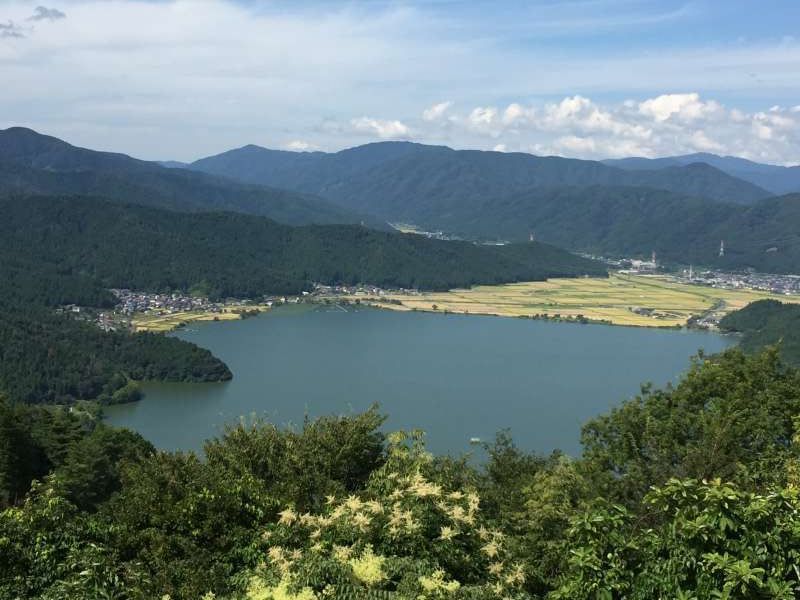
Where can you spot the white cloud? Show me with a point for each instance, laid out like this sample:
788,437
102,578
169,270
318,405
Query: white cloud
705,144
436,112
300,146
663,125
384,129
687,107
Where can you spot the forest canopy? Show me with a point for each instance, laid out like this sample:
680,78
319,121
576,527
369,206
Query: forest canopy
689,491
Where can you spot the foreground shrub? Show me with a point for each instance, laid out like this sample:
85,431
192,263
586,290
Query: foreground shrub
405,536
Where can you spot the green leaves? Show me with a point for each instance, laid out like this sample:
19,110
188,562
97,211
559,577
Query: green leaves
712,540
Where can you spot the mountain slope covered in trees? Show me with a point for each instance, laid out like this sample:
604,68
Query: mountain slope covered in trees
31,163
228,254
631,221
765,323
682,210
395,180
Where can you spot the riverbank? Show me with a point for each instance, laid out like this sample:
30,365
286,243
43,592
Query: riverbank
621,299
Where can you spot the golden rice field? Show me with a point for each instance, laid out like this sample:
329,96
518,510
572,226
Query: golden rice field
167,322
635,300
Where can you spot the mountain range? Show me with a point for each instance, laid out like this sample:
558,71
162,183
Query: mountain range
407,181
680,207
32,163
774,178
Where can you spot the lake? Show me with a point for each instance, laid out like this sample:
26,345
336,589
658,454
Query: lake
455,376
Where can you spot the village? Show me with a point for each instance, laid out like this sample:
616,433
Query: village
145,311
140,311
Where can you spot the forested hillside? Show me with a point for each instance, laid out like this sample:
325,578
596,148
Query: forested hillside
227,254
685,492
31,163
636,221
680,210
49,358
765,323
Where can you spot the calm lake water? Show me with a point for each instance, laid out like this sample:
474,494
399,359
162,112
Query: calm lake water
454,376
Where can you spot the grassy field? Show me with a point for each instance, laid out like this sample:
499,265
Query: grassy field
635,300
168,322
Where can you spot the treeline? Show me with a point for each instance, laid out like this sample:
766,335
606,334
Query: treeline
766,323
683,492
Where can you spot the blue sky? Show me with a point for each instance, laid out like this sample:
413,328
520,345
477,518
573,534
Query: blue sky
589,78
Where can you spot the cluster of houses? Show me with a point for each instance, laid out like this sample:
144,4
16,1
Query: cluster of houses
132,302
786,285
345,290
328,291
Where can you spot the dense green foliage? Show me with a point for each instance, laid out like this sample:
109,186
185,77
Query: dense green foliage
31,163
766,323
228,254
686,492
35,441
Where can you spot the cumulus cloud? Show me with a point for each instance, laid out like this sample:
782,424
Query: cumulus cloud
658,126
436,112
687,107
386,130
42,13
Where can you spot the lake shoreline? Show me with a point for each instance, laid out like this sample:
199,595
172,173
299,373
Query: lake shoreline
455,377
647,301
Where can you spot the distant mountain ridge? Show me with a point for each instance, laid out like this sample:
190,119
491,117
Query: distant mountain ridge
402,180
32,163
774,178
682,211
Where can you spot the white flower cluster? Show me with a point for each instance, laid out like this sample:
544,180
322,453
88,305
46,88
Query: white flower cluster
372,537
